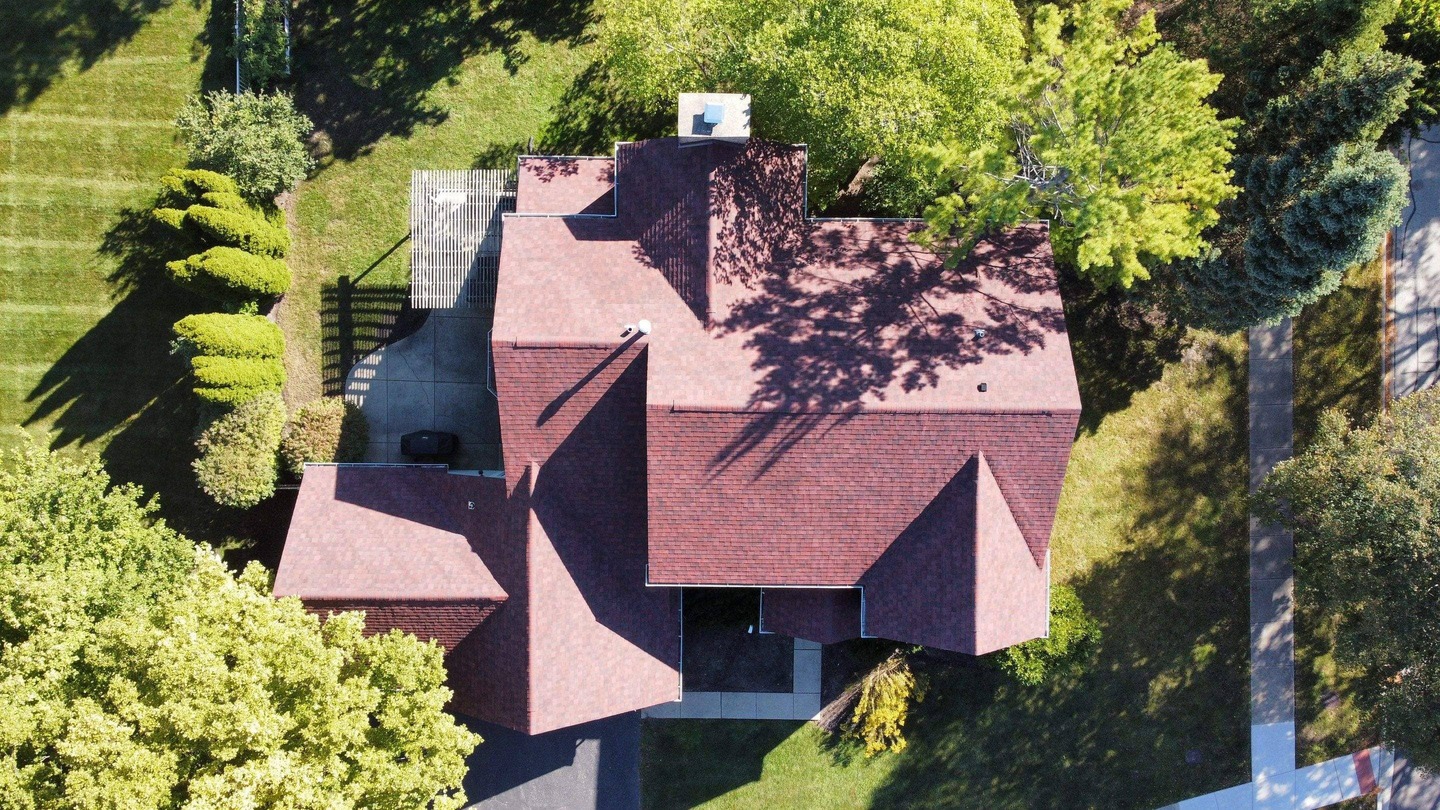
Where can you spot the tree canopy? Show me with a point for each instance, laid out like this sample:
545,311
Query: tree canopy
1109,136
1364,504
855,79
137,671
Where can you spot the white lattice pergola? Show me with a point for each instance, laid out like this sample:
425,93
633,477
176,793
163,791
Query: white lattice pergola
455,236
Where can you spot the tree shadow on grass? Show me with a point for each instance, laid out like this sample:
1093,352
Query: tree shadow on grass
364,70
686,763
118,382
1170,675
40,38
1120,344
593,114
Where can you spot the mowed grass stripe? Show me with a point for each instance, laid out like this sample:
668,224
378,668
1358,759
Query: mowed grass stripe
18,308
20,187
37,276
142,91
68,223
68,121
115,158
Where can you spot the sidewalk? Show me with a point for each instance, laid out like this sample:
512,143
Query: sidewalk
1415,279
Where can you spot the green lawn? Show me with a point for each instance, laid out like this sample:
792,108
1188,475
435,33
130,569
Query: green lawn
1337,365
87,96
1152,533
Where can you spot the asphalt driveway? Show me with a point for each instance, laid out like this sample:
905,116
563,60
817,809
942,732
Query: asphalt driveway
592,765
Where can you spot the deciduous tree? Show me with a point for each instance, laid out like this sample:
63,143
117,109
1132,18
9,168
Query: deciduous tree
1364,504
854,79
1109,135
136,671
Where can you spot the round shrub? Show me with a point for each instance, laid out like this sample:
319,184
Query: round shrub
237,463
324,431
221,334
240,230
230,275
183,187
1073,635
253,137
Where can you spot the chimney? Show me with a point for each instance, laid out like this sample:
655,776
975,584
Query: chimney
714,117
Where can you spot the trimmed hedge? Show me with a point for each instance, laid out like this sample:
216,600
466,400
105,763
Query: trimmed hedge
324,431
248,232
231,275
173,218
237,463
238,372
182,187
219,334
228,202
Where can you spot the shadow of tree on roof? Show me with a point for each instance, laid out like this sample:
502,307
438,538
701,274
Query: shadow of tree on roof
364,69
39,39
828,338
1170,675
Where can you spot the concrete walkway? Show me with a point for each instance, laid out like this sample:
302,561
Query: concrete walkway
435,380
1415,279
1272,583
802,702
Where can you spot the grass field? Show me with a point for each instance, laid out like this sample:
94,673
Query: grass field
1151,531
1337,365
86,103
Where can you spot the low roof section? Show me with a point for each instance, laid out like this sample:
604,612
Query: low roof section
557,649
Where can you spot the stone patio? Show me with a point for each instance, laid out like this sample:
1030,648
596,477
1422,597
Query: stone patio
434,379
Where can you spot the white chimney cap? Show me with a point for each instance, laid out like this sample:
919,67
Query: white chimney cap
644,326
710,117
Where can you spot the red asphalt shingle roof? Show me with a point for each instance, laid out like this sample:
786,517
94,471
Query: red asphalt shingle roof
819,378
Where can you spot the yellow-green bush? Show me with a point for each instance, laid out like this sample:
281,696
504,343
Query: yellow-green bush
221,334
324,431
230,381
230,275
1073,636
226,201
237,464
886,693
249,232
183,187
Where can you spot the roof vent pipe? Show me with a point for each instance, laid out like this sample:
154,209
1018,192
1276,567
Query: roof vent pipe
644,326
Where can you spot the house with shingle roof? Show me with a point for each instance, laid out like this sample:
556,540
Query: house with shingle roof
700,385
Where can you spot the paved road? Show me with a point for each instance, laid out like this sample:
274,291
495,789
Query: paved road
1415,301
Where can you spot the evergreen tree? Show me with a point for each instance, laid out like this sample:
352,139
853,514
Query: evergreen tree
1318,195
